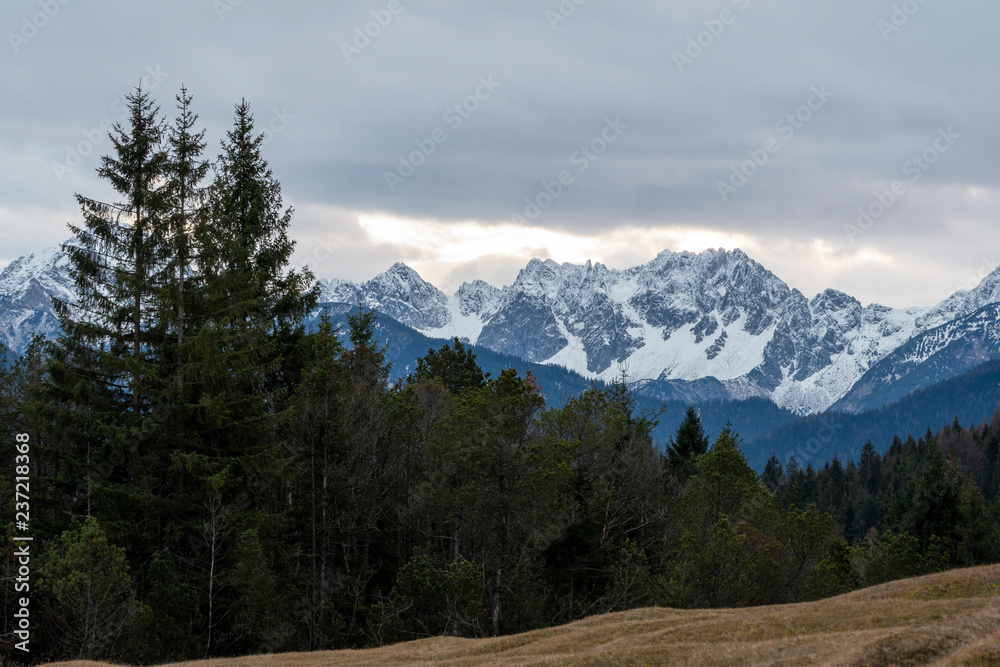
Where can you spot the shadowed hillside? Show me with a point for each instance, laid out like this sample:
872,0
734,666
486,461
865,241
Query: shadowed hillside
950,618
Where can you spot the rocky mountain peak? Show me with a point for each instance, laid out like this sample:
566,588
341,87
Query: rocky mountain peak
681,317
476,297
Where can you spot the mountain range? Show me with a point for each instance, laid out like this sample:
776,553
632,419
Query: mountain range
695,327
709,325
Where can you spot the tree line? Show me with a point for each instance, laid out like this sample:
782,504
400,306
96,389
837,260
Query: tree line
210,478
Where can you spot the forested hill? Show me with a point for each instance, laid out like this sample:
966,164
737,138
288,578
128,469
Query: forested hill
404,345
763,427
971,398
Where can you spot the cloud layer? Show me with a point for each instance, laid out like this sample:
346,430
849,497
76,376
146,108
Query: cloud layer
464,139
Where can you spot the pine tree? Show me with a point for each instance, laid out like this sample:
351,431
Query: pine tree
120,254
774,475
937,497
245,249
870,468
689,442
249,305
88,606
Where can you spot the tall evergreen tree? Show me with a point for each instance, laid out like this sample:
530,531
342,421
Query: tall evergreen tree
774,475
689,442
120,253
186,170
239,365
105,364
870,467
249,304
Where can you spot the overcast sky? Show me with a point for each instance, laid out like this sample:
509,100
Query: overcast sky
681,125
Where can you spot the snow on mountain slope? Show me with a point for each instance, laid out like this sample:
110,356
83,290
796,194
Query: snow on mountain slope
26,287
680,318
399,292
937,354
686,316
850,346
47,270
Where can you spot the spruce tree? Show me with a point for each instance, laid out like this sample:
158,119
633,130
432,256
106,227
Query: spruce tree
689,442
105,364
250,306
121,252
454,365
774,475
186,170
239,365
870,468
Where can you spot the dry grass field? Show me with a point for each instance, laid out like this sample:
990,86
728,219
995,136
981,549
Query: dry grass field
951,618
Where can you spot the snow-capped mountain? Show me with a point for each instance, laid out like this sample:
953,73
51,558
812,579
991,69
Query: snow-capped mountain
714,324
400,291
26,287
954,336
933,356
680,318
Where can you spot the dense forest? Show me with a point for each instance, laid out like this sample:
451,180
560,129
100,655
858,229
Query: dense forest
210,478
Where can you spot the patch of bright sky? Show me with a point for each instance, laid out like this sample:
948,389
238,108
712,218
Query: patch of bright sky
436,247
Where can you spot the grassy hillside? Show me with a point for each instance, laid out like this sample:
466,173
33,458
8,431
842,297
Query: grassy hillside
951,618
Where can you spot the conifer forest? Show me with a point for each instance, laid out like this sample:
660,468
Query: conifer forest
211,476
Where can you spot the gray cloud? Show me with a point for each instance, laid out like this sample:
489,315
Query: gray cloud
686,129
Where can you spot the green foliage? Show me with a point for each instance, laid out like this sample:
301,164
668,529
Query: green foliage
724,483
774,474
835,573
687,445
935,505
212,480
427,600
173,610
633,582
87,606
257,606
453,365
897,556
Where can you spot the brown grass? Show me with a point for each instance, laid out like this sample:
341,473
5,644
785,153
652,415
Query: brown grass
951,618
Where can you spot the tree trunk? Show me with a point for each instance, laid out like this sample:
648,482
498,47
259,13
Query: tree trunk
137,324
182,265
496,600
